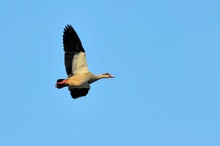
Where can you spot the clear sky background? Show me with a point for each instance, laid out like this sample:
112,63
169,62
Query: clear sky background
165,55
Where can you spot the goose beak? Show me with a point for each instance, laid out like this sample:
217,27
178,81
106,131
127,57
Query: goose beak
111,76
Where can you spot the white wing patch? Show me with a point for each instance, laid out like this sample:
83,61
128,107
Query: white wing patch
79,64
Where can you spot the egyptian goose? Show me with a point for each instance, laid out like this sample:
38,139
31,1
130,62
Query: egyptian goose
79,76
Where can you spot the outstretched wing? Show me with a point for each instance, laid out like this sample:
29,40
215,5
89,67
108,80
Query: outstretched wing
79,92
75,57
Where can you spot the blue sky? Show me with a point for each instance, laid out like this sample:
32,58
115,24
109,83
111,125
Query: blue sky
164,54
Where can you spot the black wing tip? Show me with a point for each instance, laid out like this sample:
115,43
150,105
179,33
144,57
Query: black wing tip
68,29
71,40
68,26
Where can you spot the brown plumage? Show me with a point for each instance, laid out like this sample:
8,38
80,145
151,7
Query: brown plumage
79,77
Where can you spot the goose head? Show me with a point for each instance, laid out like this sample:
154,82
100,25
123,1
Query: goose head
106,75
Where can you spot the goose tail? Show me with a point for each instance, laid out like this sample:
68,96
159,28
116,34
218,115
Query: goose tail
61,83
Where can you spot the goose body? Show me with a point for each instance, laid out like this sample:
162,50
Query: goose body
79,76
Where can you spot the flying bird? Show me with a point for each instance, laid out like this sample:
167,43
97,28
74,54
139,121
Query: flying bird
79,77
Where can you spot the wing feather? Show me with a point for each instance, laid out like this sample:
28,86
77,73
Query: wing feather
79,92
75,58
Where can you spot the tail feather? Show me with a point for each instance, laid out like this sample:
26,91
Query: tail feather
60,84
